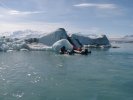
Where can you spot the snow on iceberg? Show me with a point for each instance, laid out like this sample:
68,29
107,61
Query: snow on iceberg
51,38
80,40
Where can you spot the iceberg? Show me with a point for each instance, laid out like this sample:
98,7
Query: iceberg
77,40
53,41
51,38
62,43
81,40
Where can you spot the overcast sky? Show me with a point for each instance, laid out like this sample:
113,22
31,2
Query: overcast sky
111,17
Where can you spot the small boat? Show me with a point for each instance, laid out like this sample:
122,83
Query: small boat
83,51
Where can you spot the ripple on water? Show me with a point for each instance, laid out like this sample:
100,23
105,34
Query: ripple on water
5,94
130,57
34,77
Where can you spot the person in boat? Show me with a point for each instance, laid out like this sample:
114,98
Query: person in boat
83,51
63,50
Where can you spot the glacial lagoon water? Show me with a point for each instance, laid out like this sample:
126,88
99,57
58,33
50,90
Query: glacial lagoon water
106,74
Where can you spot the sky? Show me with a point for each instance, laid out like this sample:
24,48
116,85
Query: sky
110,17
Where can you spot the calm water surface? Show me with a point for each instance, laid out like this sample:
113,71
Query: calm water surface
106,74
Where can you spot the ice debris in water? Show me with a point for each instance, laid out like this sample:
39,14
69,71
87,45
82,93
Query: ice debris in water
29,74
7,44
18,94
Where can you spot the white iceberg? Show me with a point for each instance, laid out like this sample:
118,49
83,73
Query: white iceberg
59,44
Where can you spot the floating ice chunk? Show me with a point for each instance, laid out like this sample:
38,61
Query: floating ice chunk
4,47
18,46
29,74
18,94
59,44
10,44
24,50
9,50
39,47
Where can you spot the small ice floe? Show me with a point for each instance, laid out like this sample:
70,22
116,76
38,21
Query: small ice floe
98,46
18,94
39,47
59,65
34,73
29,74
7,45
104,46
24,49
9,50
3,79
62,43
